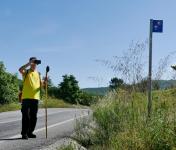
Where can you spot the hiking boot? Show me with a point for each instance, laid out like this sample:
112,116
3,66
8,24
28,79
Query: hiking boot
24,137
31,135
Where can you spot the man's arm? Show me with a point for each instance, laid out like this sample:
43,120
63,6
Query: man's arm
22,69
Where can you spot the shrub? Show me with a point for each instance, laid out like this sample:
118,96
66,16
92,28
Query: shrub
87,99
8,86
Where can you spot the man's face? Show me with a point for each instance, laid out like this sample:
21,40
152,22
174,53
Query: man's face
33,65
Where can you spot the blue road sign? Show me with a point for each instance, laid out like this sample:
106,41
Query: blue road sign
158,26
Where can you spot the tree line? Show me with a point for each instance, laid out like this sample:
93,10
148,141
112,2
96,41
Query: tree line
68,89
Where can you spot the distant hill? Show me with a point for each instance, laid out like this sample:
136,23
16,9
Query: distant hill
164,84
96,91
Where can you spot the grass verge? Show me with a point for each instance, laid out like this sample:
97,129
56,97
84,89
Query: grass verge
55,103
52,103
120,121
10,107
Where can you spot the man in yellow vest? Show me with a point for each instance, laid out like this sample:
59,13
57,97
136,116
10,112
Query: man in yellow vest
30,96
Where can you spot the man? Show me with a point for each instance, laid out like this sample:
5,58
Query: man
30,97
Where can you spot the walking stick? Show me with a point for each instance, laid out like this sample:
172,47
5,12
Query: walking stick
46,98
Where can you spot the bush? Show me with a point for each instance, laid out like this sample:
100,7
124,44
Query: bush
8,86
87,99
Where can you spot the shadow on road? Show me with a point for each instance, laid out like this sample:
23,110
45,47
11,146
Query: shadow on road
11,139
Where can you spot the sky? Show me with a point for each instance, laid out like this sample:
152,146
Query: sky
69,35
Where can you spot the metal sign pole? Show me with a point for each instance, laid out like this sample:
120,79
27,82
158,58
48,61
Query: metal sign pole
150,71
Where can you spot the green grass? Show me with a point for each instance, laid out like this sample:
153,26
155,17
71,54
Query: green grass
52,103
55,103
68,147
120,121
10,107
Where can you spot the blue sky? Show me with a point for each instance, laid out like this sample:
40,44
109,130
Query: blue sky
68,35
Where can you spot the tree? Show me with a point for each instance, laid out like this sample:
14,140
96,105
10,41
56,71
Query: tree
52,90
49,82
116,83
69,89
8,86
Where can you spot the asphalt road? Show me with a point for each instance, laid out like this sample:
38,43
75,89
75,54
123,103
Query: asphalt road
61,123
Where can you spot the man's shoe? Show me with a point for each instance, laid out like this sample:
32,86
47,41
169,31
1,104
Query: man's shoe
31,135
24,137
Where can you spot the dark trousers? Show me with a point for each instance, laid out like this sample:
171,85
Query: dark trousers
29,115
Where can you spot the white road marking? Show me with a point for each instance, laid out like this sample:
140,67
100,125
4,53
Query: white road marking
51,126
3,122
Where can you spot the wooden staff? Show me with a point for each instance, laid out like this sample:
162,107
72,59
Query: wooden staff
46,99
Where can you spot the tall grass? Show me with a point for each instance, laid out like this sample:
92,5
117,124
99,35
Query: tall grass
120,122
